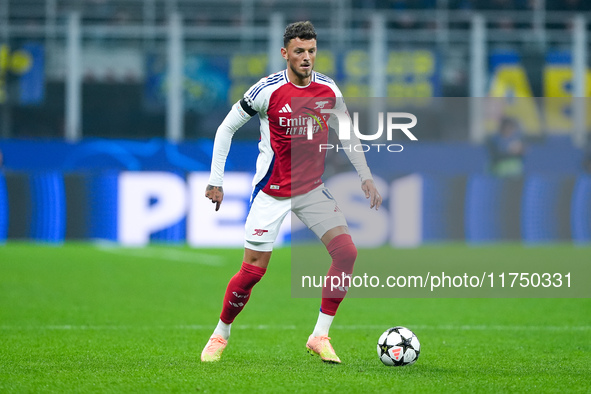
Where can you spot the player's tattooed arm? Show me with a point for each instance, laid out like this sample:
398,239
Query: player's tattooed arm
371,192
215,194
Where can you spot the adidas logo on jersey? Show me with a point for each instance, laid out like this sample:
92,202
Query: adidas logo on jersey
285,110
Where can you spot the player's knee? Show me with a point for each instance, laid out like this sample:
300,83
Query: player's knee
251,274
346,258
258,253
343,252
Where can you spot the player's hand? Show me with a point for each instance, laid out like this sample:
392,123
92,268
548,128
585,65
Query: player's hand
371,192
215,194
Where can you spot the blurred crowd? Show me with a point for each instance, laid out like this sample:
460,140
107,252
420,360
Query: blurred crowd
231,13
406,19
488,5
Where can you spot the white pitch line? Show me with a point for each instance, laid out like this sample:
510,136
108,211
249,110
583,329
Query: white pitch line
198,327
182,256
475,327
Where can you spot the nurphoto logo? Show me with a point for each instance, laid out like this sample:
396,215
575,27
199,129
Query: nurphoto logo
344,130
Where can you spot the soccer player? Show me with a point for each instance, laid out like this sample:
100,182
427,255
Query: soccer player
287,182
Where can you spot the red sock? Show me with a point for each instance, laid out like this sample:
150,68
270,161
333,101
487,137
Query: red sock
238,291
343,253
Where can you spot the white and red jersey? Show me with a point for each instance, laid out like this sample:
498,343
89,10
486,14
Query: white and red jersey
289,163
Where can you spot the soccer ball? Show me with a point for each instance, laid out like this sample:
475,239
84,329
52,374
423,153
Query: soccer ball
398,346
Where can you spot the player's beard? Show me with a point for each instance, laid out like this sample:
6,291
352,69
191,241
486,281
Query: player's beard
301,75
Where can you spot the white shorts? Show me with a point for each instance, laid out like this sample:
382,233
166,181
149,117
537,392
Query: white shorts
317,209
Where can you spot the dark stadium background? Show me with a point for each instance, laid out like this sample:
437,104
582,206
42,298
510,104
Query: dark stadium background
93,88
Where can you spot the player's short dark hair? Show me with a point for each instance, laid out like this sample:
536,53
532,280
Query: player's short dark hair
303,30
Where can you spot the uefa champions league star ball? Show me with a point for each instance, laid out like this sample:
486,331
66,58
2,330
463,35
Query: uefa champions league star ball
398,346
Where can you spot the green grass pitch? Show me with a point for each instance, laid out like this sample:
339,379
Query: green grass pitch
92,318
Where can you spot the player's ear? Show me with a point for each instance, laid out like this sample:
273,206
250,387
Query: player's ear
284,53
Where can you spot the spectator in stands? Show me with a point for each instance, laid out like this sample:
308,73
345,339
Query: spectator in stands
505,23
121,17
506,149
404,20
